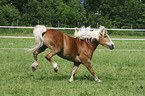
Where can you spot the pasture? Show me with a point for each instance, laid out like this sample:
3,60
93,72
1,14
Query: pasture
122,71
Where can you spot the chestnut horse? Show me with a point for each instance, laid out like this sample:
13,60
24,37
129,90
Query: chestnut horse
78,49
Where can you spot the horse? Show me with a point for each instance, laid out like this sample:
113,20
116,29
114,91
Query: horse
78,49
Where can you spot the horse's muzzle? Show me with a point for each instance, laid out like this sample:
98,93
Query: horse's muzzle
112,46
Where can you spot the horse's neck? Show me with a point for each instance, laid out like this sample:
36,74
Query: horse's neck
93,45
90,45
90,48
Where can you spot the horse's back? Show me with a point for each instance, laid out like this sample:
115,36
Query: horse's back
50,33
53,38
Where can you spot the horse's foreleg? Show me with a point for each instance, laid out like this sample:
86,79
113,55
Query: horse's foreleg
75,67
35,53
48,57
89,67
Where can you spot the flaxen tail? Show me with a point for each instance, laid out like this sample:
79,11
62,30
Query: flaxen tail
37,32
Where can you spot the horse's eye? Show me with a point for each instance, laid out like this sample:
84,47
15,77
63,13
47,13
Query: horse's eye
105,36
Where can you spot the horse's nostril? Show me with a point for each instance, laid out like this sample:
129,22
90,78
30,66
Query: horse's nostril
112,46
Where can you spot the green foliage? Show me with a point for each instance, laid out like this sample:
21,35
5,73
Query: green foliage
9,15
132,13
122,13
71,13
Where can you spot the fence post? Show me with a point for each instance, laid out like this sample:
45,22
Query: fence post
78,24
131,26
17,22
38,22
58,24
97,25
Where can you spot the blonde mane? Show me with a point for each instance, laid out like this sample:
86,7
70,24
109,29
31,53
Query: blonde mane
87,33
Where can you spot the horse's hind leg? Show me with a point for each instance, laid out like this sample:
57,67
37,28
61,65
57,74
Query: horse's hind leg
35,53
48,57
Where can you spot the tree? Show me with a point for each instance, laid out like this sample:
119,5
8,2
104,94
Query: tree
9,15
19,5
132,10
122,13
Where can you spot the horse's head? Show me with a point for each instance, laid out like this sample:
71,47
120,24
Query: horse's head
104,38
99,35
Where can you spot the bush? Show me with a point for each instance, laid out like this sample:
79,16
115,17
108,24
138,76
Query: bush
9,15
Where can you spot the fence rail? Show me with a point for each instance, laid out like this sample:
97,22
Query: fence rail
72,28
33,37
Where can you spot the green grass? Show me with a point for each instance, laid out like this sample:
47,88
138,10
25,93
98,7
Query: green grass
122,72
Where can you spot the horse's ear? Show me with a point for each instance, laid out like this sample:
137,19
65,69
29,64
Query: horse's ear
101,27
76,29
76,32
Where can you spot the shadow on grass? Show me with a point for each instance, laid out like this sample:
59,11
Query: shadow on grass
63,78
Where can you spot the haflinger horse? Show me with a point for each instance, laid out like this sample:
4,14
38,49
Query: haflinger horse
78,50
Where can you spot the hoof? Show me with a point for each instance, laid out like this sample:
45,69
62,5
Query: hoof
99,81
70,80
34,68
55,70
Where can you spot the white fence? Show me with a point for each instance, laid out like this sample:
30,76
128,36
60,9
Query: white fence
72,28
33,37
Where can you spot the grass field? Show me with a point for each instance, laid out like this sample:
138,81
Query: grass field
122,71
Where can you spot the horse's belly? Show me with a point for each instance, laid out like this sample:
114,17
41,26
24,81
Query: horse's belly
69,56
